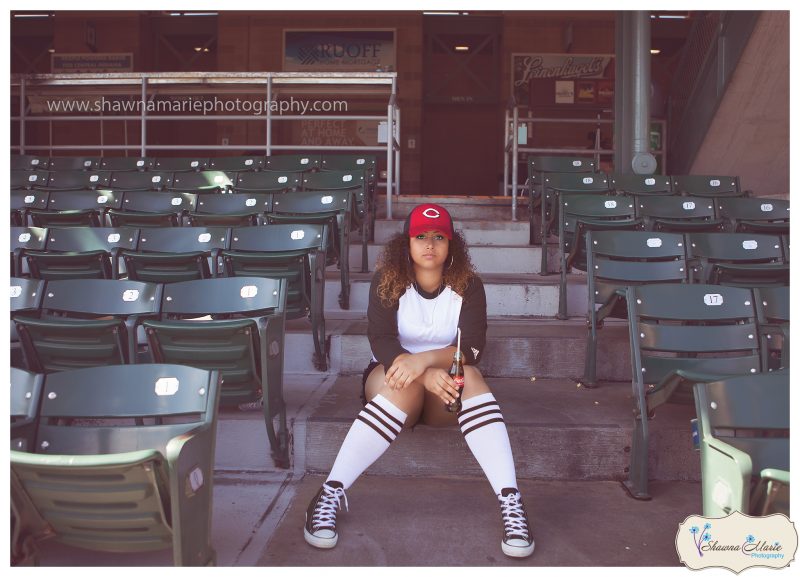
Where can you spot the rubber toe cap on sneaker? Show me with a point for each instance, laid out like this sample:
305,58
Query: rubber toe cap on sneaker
322,539
517,548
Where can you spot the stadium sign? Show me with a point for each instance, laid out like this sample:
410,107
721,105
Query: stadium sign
527,67
339,50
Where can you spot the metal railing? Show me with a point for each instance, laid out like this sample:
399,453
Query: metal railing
512,148
266,84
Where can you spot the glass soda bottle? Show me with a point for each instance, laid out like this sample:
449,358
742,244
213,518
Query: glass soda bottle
457,374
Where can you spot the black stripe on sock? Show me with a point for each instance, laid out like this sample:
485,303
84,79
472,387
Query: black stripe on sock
385,412
479,425
375,427
381,421
476,407
473,417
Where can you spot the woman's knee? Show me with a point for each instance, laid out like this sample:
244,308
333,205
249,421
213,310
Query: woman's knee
474,384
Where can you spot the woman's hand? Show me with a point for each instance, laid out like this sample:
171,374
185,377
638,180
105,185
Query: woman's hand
405,369
440,383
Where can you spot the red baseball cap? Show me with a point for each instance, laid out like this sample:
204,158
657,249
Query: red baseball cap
427,217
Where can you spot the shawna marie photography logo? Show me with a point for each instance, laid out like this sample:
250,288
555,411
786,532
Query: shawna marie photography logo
736,542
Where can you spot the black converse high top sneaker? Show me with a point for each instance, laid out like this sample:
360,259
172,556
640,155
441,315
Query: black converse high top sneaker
517,540
320,528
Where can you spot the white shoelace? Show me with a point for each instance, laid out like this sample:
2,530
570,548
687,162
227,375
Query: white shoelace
514,515
329,502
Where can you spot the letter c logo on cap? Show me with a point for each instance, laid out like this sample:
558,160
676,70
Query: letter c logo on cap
431,213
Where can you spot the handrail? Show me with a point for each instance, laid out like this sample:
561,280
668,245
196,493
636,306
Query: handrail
147,85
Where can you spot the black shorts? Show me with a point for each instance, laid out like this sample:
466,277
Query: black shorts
367,371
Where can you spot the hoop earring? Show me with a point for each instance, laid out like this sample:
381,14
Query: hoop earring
451,263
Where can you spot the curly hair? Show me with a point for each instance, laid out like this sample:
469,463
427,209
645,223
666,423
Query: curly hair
397,271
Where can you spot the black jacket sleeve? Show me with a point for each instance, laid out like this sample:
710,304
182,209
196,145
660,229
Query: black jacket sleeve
472,322
382,327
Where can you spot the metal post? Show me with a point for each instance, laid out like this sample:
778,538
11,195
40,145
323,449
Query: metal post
22,115
397,155
389,157
643,162
514,160
269,115
143,120
505,154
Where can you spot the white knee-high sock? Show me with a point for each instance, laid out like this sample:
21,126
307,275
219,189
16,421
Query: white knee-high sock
376,426
485,431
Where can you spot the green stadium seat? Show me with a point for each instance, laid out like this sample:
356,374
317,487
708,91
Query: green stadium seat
292,162
368,163
26,392
295,252
153,209
29,162
641,184
24,200
333,208
743,429
95,481
736,259
180,164
76,208
759,215
707,186
81,253
77,180
268,181
126,163
26,294
681,334
175,254
28,179
240,209
678,214
617,259
207,181
59,163
581,213
772,308
246,347
98,327
133,180
25,238
236,163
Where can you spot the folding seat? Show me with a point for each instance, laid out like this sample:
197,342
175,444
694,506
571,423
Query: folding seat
581,213
180,164
23,200
617,259
240,209
175,254
81,253
76,208
678,214
25,238
358,182
268,181
77,180
26,299
214,181
123,462
554,186
772,308
293,162
761,215
126,163
86,323
153,209
681,334
29,162
59,163
244,341
707,186
29,179
141,180
26,392
736,259
296,253
743,432
236,163
641,184
333,208
368,163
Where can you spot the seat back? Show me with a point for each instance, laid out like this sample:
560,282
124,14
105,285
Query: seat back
132,180
693,327
146,486
278,181
29,179
29,162
366,162
180,164
292,162
78,180
740,259
25,238
560,164
579,183
641,184
153,209
126,163
583,212
86,163
26,392
678,214
77,208
247,206
765,215
236,163
205,181
26,294
772,308
23,200
706,185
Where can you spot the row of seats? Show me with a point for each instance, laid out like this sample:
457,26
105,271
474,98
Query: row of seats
293,252
234,325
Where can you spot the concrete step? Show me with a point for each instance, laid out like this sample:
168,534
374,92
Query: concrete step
476,232
487,259
460,207
506,294
557,430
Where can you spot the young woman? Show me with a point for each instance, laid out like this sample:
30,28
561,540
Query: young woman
424,289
